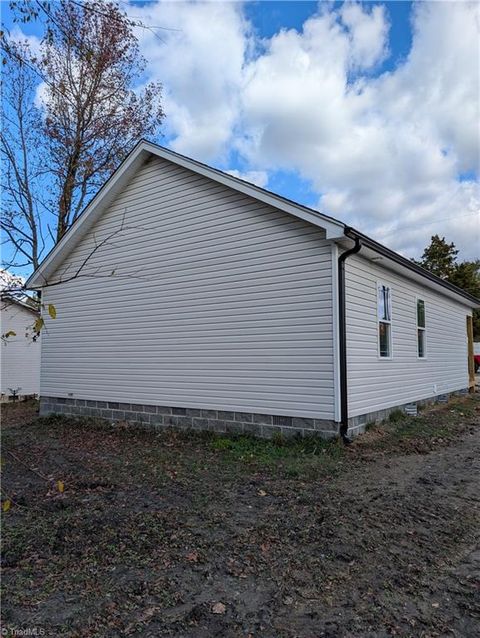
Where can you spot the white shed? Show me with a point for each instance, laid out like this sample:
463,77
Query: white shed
19,353
188,297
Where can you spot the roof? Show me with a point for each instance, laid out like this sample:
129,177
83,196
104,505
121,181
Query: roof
334,229
414,268
142,151
26,305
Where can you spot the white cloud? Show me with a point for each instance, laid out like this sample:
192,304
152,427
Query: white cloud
199,60
382,153
33,45
32,41
41,95
367,32
259,178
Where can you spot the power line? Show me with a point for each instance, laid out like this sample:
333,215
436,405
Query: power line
429,223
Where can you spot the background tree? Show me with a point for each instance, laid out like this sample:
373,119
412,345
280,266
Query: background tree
24,174
440,258
467,276
84,109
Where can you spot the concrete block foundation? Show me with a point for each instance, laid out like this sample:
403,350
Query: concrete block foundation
222,421
159,417
357,424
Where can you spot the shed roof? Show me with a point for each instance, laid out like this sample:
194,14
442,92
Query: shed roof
26,305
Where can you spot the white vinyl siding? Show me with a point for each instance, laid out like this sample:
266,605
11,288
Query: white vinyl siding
375,383
217,301
20,356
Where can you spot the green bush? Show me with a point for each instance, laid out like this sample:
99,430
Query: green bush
396,415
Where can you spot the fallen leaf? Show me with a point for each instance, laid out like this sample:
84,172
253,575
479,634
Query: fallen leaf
60,486
144,617
261,493
218,608
192,557
6,505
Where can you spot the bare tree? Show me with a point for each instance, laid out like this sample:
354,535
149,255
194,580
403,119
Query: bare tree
89,118
24,173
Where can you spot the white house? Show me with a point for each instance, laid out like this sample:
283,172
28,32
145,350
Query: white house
19,353
188,297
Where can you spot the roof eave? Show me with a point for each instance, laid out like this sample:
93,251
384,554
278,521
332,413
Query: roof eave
20,303
334,229
448,288
39,278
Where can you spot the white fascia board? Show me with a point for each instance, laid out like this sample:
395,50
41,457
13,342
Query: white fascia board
105,195
333,229
20,303
383,261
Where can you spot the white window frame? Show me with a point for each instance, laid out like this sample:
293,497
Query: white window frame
389,322
424,328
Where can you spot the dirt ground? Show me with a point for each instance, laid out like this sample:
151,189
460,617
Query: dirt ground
189,535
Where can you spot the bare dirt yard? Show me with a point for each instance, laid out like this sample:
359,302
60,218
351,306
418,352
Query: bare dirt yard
189,535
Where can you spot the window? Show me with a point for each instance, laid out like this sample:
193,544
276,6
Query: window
421,330
384,307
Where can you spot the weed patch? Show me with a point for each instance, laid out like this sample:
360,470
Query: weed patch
294,457
396,416
434,426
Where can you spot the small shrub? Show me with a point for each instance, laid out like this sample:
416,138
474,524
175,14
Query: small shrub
279,439
222,443
396,416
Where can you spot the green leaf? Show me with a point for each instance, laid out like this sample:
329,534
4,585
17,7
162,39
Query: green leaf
52,311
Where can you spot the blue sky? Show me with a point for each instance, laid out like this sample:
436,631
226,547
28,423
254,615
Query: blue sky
270,17
367,111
